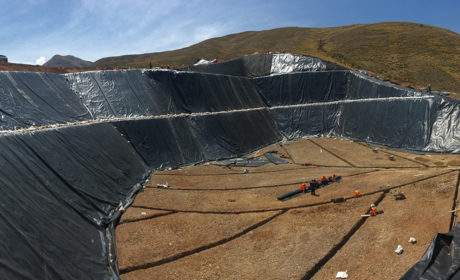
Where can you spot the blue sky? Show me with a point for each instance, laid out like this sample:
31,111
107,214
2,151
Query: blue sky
32,31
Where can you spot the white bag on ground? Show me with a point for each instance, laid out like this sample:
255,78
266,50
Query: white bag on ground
342,275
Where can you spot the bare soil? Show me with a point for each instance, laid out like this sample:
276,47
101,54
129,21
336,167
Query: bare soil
360,155
282,249
424,211
134,214
215,222
154,239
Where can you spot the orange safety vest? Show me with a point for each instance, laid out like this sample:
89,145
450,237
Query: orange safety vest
303,187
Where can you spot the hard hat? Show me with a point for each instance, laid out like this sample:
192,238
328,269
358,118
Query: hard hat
372,205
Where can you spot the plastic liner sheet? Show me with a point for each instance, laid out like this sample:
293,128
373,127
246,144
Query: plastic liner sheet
363,86
425,124
288,63
123,93
440,261
326,86
233,134
445,131
170,142
300,88
204,61
128,93
265,65
248,66
245,162
164,142
36,99
312,120
395,123
290,195
60,193
273,159
197,92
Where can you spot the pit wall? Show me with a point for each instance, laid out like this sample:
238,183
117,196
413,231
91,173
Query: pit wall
37,99
299,104
351,105
65,188
61,191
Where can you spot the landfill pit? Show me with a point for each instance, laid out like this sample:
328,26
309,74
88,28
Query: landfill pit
218,222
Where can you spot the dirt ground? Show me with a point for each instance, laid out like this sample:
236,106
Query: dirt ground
217,222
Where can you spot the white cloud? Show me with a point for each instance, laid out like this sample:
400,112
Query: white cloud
206,32
41,60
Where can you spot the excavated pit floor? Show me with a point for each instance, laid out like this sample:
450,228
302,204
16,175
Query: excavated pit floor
215,222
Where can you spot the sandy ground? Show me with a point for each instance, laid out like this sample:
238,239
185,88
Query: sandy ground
419,215
215,222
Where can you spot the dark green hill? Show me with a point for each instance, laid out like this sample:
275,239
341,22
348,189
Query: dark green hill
408,53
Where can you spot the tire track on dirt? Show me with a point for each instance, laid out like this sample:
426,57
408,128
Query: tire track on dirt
453,218
384,190
202,248
128,221
301,167
388,153
251,188
329,255
231,173
280,211
317,267
332,153
304,166
289,155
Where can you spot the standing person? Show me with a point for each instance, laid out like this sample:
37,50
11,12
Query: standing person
313,186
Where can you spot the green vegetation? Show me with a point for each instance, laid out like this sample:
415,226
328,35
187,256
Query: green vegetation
408,53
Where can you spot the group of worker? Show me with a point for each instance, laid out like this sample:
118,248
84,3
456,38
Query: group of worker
315,184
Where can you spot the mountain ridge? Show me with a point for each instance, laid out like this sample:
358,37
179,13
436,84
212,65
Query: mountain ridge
67,61
411,54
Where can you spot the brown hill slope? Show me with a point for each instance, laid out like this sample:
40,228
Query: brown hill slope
409,53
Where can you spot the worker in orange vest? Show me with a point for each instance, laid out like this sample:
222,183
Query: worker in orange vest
323,180
303,188
373,210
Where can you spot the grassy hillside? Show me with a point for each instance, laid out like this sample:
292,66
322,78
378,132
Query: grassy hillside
407,53
38,68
